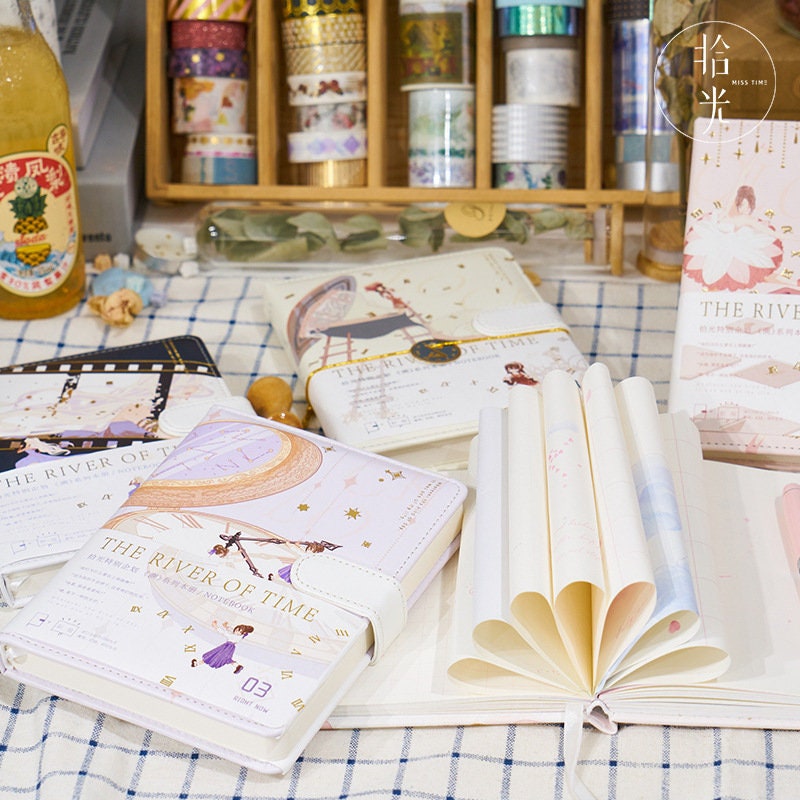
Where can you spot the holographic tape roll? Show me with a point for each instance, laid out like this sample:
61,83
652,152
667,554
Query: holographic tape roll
543,76
324,29
202,105
207,62
331,116
333,87
327,146
538,20
326,58
530,175
664,177
436,43
332,173
232,10
441,137
191,33
513,3
311,8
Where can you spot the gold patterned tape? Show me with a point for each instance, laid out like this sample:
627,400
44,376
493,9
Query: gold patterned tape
230,10
432,345
313,8
333,173
324,29
326,58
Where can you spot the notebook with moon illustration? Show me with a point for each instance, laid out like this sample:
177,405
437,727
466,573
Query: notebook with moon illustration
399,358
241,589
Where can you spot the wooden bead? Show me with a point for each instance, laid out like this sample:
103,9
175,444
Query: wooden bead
271,398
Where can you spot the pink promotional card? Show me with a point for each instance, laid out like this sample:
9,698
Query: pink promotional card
736,369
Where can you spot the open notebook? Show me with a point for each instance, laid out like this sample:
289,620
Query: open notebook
606,573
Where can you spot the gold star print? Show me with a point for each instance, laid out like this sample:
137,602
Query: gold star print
787,273
395,475
302,507
773,370
366,544
706,158
352,513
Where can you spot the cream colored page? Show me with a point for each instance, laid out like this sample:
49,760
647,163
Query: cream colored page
620,612
574,538
675,618
528,535
529,566
704,655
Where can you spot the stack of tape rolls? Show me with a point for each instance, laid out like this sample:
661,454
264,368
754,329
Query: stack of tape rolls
324,45
542,67
437,74
633,119
208,67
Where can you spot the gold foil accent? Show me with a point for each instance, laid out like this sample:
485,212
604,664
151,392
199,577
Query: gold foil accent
226,10
332,173
315,59
442,343
313,8
323,29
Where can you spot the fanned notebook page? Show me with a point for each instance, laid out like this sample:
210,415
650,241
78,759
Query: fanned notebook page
598,589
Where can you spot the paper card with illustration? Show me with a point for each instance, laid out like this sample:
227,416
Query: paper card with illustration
735,368
95,401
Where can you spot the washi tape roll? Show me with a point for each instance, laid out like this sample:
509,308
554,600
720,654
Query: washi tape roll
538,20
310,8
332,87
350,57
543,76
528,175
220,169
327,145
332,173
232,10
441,138
207,62
209,104
162,250
236,145
323,29
436,42
331,116
512,3
192,33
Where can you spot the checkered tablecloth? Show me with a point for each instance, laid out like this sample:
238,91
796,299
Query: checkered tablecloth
51,749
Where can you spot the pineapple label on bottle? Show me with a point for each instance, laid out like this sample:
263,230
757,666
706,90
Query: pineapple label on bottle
38,218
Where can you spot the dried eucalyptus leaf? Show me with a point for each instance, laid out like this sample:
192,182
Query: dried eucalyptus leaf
578,226
225,226
516,224
364,241
363,222
314,222
313,241
548,219
289,250
668,16
245,252
417,214
268,226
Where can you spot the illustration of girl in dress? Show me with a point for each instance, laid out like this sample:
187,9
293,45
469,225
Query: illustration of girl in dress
515,374
736,250
222,655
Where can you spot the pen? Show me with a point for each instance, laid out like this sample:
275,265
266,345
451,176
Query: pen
791,514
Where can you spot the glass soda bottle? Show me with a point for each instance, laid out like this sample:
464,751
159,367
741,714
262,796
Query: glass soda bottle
42,270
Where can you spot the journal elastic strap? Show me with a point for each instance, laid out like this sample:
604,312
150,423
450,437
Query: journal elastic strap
357,588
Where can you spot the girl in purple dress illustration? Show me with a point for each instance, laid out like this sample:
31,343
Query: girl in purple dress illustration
222,655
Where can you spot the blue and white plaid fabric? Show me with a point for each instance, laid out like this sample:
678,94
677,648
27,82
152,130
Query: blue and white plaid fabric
53,749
